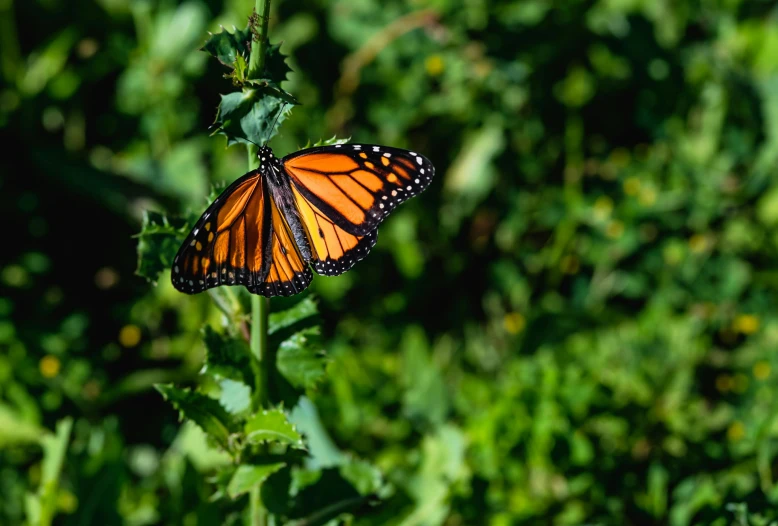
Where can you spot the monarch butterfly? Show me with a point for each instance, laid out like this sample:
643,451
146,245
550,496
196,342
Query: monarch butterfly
319,206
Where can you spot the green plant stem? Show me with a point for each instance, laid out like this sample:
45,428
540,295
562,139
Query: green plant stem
258,52
260,306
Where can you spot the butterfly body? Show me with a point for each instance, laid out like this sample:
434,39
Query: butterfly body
319,207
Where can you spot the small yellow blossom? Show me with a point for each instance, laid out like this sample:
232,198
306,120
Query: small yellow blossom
514,322
129,336
698,243
434,65
746,323
647,196
632,186
603,207
736,431
49,366
615,229
761,370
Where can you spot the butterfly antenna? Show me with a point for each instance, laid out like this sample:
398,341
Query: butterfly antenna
221,127
269,133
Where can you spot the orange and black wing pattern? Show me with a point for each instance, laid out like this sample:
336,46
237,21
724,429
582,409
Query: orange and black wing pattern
343,192
241,239
357,185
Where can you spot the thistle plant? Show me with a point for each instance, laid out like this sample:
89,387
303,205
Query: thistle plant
251,402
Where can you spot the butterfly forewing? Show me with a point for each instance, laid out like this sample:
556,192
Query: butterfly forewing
227,245
356,185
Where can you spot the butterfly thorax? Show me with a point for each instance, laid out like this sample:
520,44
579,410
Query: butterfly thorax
270,166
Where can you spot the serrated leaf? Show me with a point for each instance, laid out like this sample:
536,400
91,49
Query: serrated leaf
302,310
235,396
247,477
200,409
326,142
226,356
158,242
276,68
272,426
226,46
300,360
248,116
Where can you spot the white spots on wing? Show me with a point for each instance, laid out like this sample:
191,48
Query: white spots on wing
394,193
413,153
357,147
410,187
416,181
381,205
338,146
384,198
387,154
418,160
422,170
175,269
196,230
376,149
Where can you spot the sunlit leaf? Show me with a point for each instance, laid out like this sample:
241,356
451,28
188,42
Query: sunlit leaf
300,359
202,410
301,311
272,426
226,46
251,116
247,477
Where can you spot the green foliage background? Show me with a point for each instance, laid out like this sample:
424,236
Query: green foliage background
574,324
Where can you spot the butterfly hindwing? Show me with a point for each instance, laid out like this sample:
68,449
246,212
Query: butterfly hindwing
356,185
289,273
333,250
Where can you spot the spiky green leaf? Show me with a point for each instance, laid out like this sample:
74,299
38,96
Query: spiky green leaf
250,116
202,410
248,476
301,311
158,242
226,46
226,356
272,426
301,360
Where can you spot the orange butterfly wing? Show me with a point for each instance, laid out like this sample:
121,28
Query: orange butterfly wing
343,192
241,239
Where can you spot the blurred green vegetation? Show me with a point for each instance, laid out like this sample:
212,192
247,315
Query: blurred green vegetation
576,323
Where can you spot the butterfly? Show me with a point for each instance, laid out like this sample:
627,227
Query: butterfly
318,207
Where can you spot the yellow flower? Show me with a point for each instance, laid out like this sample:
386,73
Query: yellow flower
615,229
49,366
761,370
746,324
129,336
632,186
603,207
514,322
434,65
736,431
698,243
647,196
